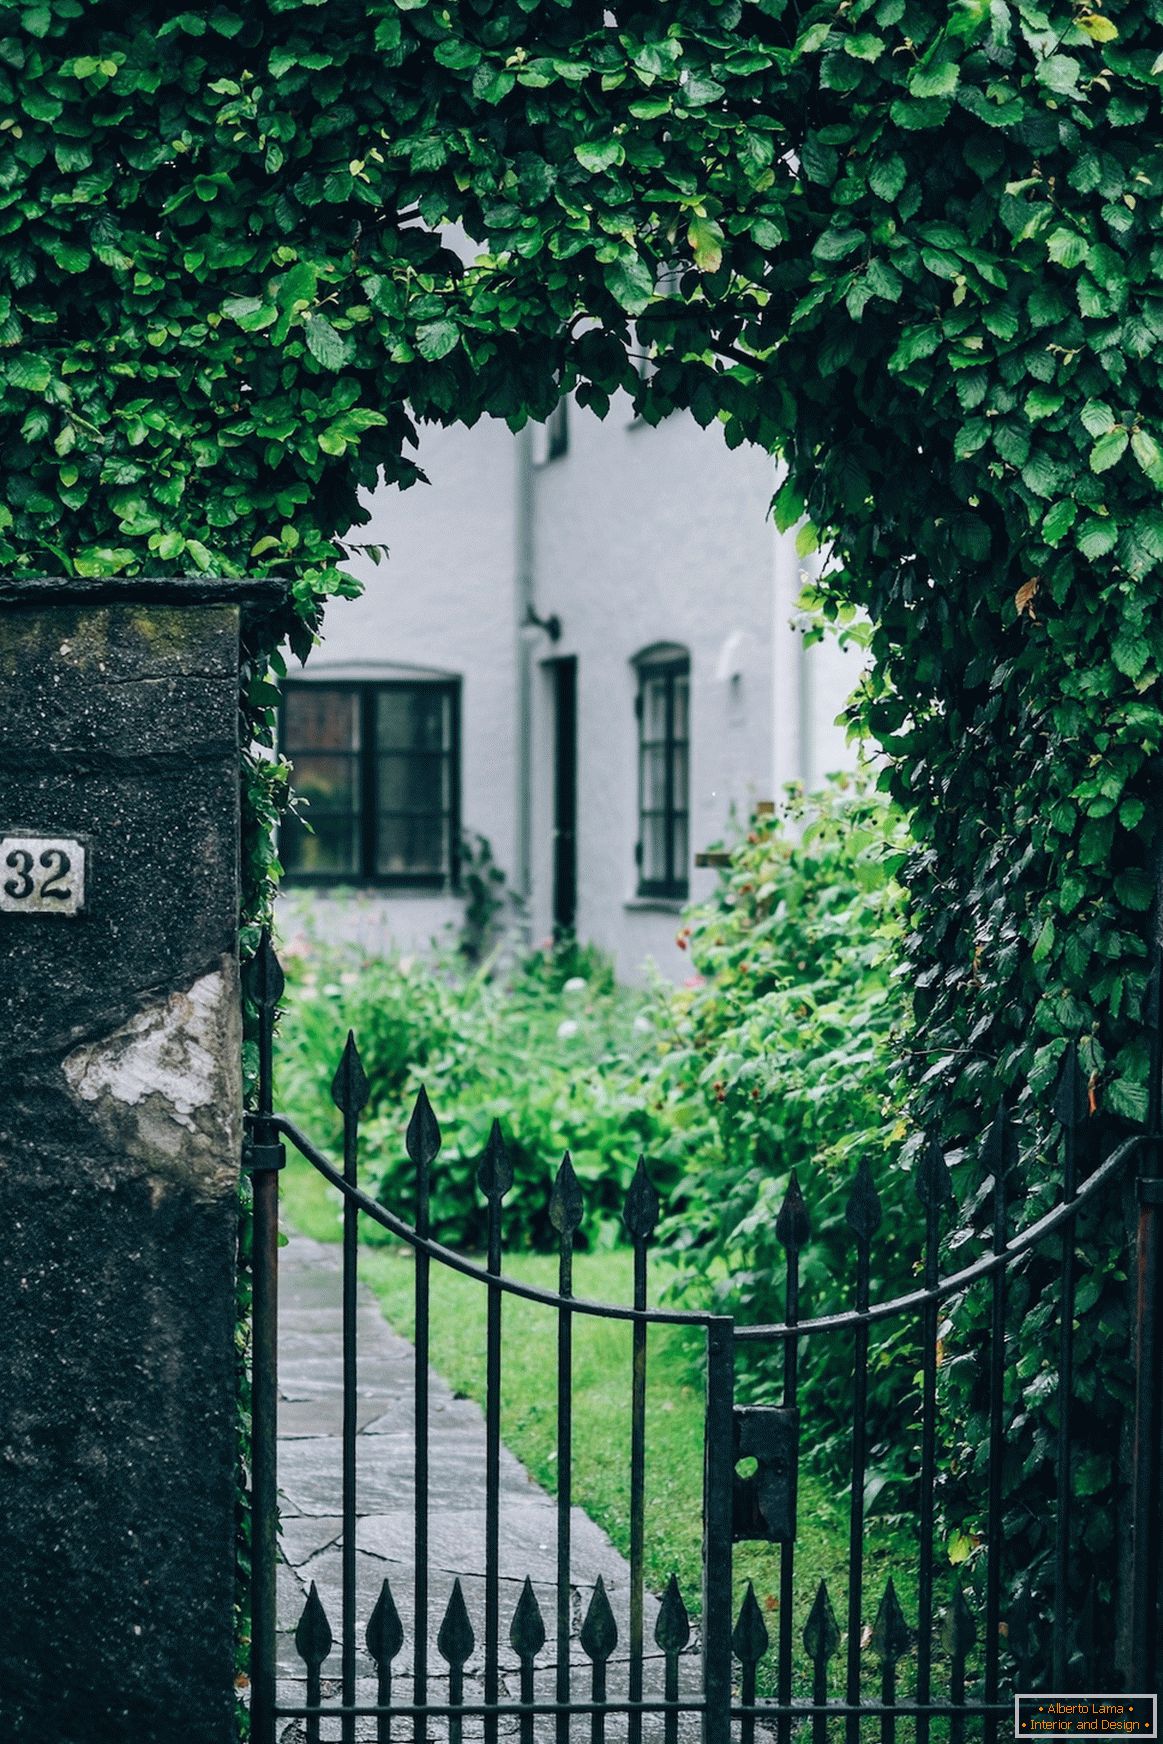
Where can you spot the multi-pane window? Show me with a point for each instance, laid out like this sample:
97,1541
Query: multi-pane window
663,774
378,764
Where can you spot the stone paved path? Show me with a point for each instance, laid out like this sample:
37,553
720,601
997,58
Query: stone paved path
310,1420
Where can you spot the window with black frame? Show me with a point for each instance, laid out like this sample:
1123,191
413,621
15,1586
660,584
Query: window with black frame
378,765
663,772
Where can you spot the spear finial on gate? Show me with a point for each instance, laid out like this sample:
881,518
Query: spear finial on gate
750,1640
672,1630
642,1205
891,1636
495,1169
932,1182
960,1629
313,1635
599,1632
792,1227
265,975
423,1136
862,1213
456,1639
349,1087
385,1632
566,1206
821,1634
1071,1099
527,1630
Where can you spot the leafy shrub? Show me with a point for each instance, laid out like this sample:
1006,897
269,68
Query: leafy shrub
788,1042
554,1056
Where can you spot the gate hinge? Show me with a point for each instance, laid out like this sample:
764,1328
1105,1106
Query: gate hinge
765,1499
263,1159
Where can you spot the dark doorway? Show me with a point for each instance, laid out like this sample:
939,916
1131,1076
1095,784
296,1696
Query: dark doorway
564,795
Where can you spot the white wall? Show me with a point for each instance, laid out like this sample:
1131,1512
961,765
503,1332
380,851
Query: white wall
640,535
648,535
443,598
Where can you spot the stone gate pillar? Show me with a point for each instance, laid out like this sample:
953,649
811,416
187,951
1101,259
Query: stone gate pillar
120,1105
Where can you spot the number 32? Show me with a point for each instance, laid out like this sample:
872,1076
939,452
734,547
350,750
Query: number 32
55,861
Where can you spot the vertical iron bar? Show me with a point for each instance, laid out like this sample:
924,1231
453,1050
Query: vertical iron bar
527,1695
787,1551
792,1231
455,1698
819,1698
384,1700
821,1639
420,1634
670,1726
314,1699
598,1694
1148,1350
350,1092
637,1492
928,1474
856,1511
718,1497
1062,1630
493,1472
931,1190
747,1693
888,1698
863,1217
564,1473
999,1150
267,981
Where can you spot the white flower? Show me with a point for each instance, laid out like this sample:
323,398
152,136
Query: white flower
349,978
332,990
575,984
568,1027
643,1024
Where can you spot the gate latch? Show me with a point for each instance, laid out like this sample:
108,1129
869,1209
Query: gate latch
765,1499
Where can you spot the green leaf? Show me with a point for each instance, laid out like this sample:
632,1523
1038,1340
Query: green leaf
1121,1096
939,80
1098,28
631,282
1149,455
1059,521
1060,73
864,46
30,373
1067,248
436,339
1097,536
251,313
1109,449
807,540
706,239
600,154
887,177
1044,943
1097,418
837,242
326,346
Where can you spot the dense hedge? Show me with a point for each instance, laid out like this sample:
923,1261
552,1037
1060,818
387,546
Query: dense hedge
918,248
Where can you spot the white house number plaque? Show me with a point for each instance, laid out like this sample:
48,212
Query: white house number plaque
41,875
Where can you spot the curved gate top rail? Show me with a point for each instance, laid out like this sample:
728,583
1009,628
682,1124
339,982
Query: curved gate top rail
981,1636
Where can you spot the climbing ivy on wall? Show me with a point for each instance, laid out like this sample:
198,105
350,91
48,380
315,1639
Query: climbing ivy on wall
913,246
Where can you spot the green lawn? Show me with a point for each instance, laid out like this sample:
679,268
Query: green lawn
674,1435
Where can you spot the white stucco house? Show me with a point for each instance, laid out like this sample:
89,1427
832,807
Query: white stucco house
583,648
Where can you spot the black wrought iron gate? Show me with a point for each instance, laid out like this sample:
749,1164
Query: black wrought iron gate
746,1684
